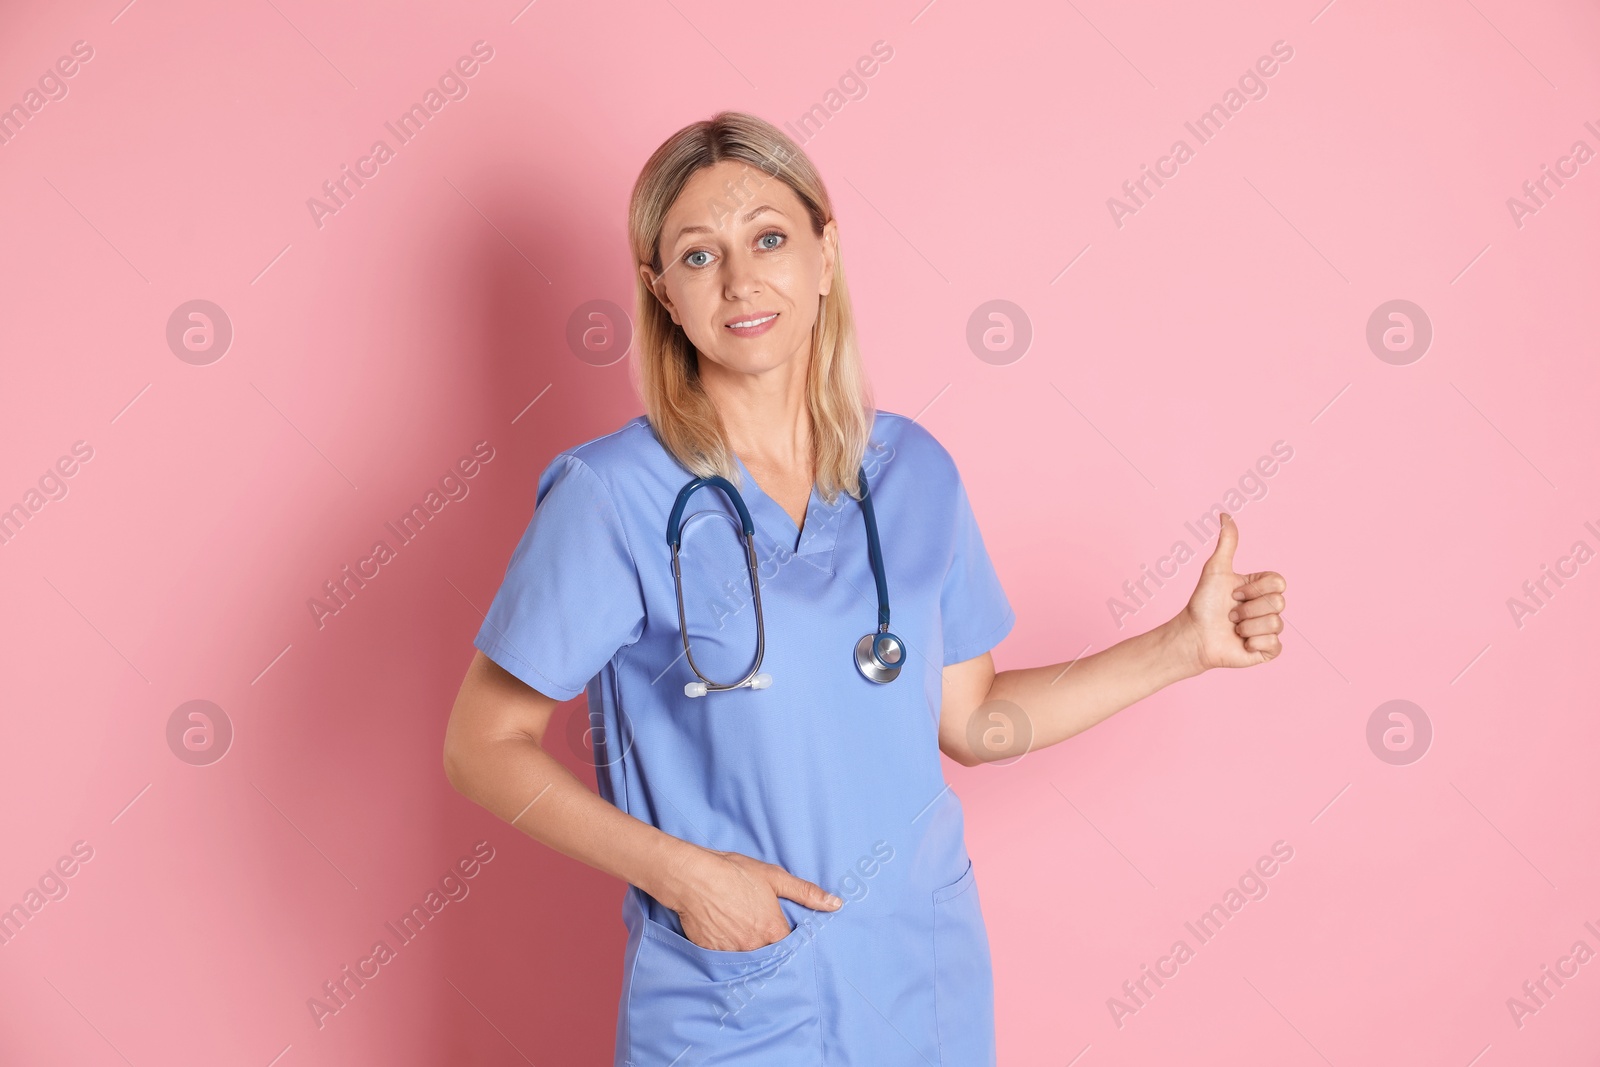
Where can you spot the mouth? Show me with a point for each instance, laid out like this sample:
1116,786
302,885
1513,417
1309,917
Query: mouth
752,325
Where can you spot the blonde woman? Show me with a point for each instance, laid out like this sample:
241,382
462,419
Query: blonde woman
770,681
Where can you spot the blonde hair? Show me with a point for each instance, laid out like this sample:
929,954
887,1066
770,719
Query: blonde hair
838,397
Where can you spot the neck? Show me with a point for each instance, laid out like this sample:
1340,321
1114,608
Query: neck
764,414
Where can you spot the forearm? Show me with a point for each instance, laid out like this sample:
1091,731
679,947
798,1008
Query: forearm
1064,699
521,783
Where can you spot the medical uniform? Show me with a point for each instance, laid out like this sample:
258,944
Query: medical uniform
832,777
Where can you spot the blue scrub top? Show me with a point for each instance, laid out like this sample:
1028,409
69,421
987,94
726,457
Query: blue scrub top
832,777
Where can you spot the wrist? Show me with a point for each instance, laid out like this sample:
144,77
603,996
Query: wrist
672,872
1182,640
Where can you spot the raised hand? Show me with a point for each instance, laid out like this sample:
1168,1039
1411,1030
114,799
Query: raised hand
1234,619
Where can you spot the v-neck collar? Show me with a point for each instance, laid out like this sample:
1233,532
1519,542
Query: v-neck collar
774,525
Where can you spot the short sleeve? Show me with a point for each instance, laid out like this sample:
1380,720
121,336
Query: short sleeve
571,596
977,616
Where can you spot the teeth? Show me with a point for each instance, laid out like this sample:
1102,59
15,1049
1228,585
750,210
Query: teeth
751,322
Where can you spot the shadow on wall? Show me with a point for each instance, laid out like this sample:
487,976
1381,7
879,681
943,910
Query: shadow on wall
261,883
538,946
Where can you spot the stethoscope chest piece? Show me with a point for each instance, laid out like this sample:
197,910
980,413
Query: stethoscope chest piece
879,656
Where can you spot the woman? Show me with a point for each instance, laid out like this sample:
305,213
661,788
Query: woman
799,887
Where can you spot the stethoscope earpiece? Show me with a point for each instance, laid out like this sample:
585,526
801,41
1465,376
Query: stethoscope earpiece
879,656
698,689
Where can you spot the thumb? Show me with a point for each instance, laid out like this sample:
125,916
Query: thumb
1221,561
803,892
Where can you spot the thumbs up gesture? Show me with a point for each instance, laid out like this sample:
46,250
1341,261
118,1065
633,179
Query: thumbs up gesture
1234,619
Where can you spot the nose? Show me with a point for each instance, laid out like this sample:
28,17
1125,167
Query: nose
740,276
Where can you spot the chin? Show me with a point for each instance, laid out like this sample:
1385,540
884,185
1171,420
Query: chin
749,362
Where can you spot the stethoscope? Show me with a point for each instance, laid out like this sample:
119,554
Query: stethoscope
879,656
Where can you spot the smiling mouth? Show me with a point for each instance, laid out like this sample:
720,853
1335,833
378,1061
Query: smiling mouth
751,323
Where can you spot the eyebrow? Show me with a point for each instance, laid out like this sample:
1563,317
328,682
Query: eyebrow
758,209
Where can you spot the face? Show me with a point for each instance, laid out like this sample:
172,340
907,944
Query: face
742,270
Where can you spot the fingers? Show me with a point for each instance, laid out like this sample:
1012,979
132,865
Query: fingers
741,914
1267,644
803,892
1259,584
1221,561
1259,627
1270,604
1259,600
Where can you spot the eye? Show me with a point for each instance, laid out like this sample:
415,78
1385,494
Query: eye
777,236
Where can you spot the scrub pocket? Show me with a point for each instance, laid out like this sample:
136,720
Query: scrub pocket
963,981
689,1005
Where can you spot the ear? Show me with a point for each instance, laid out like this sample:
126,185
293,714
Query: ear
830,256
658,289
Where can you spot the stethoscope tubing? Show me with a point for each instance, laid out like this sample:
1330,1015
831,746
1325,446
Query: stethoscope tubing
875,554
761,629
869,660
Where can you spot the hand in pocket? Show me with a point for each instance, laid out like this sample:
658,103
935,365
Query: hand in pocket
729,902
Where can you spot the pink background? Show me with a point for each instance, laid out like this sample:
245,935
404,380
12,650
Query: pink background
371,353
